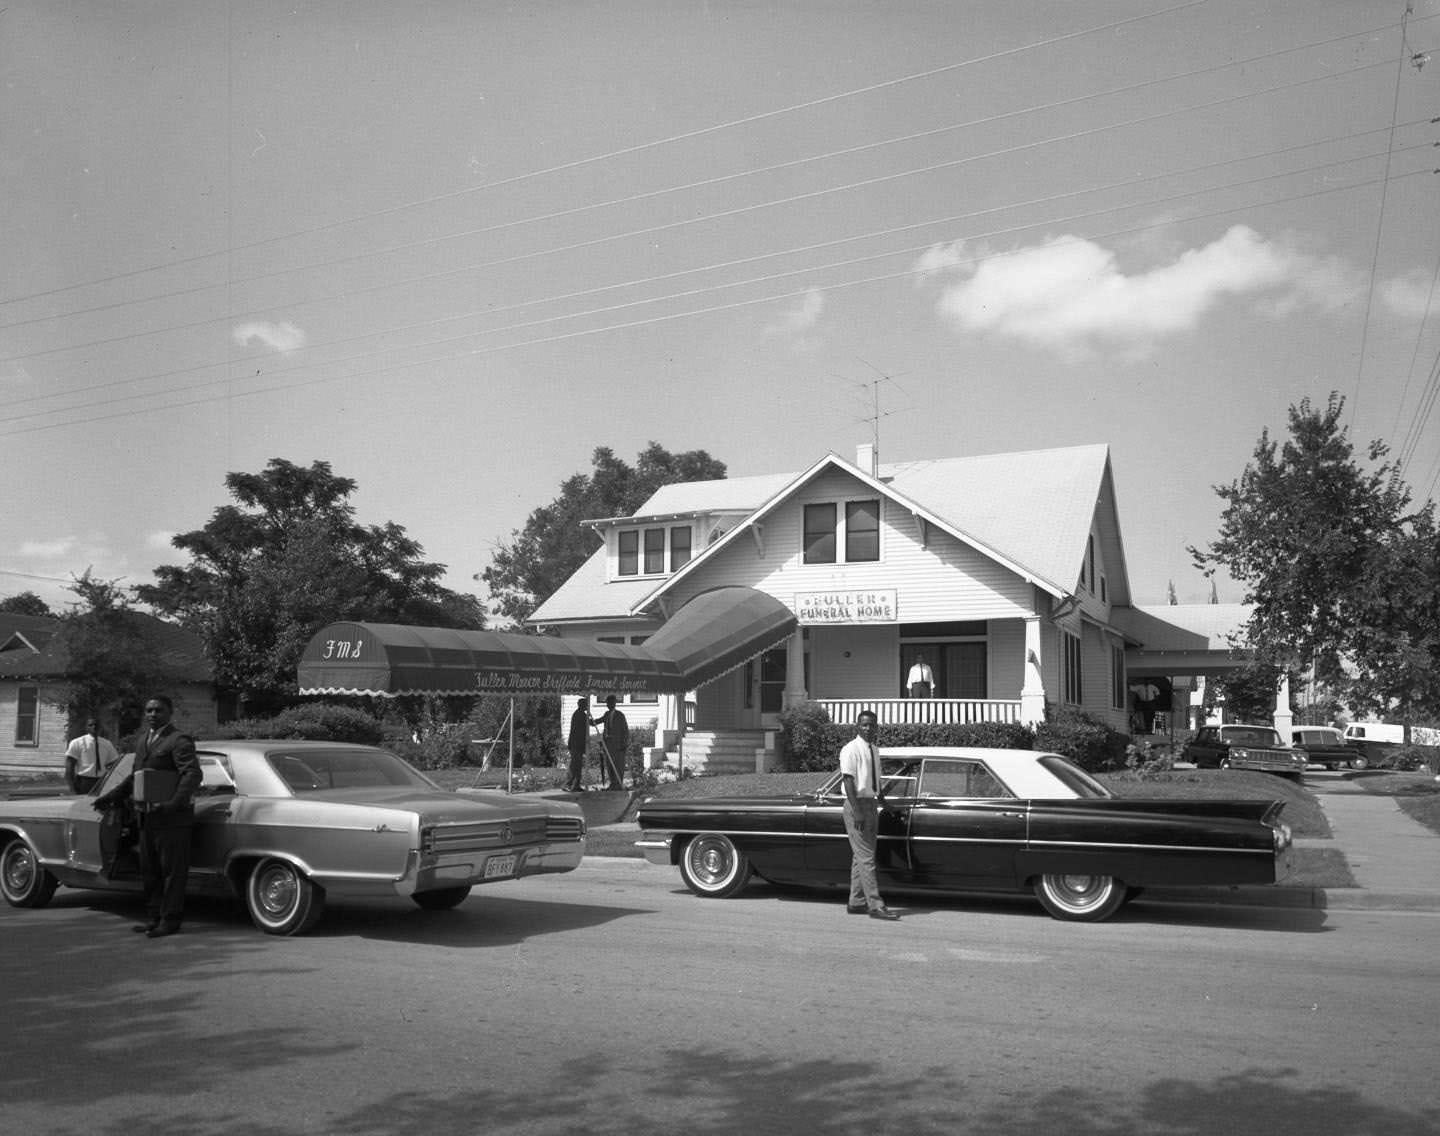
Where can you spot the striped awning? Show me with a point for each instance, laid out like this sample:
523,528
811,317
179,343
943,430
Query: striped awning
710,635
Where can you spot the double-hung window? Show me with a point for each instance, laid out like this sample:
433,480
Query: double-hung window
827,531
1074,690
27,716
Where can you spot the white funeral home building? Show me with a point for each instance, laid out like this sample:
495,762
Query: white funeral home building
1005,573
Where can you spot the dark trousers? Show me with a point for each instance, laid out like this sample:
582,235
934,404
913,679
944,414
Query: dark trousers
164,865
577,766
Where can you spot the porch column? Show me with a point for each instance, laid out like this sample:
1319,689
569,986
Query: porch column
1283,718
795,691
1032,693
667,722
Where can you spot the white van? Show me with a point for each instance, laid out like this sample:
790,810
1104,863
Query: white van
1383,732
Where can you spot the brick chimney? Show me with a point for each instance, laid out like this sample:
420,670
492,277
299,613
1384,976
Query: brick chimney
868,458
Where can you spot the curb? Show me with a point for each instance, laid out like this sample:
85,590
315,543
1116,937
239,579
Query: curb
1313,899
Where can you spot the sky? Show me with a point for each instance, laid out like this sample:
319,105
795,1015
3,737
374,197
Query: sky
452,247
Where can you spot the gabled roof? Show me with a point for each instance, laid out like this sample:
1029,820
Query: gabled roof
37,652
1030,511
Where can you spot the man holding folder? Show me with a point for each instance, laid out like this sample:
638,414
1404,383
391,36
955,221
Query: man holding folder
162,783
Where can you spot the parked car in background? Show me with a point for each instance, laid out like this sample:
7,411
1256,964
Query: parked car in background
284,825
1244,747
1325,745
974,820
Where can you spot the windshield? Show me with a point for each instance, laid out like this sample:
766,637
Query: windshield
316,770
1249,735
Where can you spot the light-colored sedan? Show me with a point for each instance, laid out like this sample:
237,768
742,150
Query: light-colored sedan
286,824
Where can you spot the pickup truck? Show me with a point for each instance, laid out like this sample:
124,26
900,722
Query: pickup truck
1245,747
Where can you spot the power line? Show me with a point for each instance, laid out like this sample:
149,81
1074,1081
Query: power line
752,280
753,172
558,337
577,163
720,215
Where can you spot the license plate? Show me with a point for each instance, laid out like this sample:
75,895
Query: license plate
499,866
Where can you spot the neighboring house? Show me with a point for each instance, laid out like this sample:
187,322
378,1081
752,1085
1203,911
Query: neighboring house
34,689
1006,572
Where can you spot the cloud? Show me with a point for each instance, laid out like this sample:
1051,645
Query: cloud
802,317
1411,295
276,336
1069,292
55,549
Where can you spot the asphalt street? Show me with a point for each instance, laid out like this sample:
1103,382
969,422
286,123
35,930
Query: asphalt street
611,1001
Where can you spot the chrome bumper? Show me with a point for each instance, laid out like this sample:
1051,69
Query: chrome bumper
656,849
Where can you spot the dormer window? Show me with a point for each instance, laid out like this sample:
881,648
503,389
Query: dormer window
647,551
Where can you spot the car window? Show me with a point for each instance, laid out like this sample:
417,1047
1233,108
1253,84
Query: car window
314,770
1254,737
214,776
897,777
1076,779
953,778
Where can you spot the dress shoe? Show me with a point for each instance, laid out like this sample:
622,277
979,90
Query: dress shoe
161,930
144,928
861,910
884,913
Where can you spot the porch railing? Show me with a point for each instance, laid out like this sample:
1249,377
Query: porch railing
947,711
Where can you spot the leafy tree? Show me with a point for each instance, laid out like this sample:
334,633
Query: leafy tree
113,665
267,573
1341,572
1249,692
26,603
553,544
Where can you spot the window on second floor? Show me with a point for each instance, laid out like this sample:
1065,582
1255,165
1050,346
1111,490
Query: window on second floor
679,547
824,537
645,551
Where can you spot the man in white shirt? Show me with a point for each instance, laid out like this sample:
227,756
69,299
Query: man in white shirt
921,680
87,758
860,777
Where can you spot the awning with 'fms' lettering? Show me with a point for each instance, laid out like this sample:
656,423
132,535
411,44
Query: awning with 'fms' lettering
712,634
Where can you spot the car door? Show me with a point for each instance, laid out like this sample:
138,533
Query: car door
965,827
827,847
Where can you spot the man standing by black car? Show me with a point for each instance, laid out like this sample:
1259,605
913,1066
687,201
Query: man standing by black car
162,782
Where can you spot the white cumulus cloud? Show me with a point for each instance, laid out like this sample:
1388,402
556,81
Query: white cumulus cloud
1071,292
1410,295
276,336
803,316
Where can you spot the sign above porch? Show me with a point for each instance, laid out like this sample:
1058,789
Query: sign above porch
872,606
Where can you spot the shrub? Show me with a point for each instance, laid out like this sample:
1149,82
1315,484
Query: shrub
311,721
804,730
1087,741
813,742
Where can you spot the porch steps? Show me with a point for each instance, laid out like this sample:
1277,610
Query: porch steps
725,751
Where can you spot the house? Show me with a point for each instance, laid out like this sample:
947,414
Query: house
35,676
1005,573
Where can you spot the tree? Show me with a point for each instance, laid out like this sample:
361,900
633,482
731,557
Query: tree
1341,572
26,603
553,544
112,664
266,574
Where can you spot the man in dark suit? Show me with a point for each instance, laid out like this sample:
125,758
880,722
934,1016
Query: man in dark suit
166,818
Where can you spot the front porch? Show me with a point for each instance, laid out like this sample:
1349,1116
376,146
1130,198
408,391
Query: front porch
907,711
